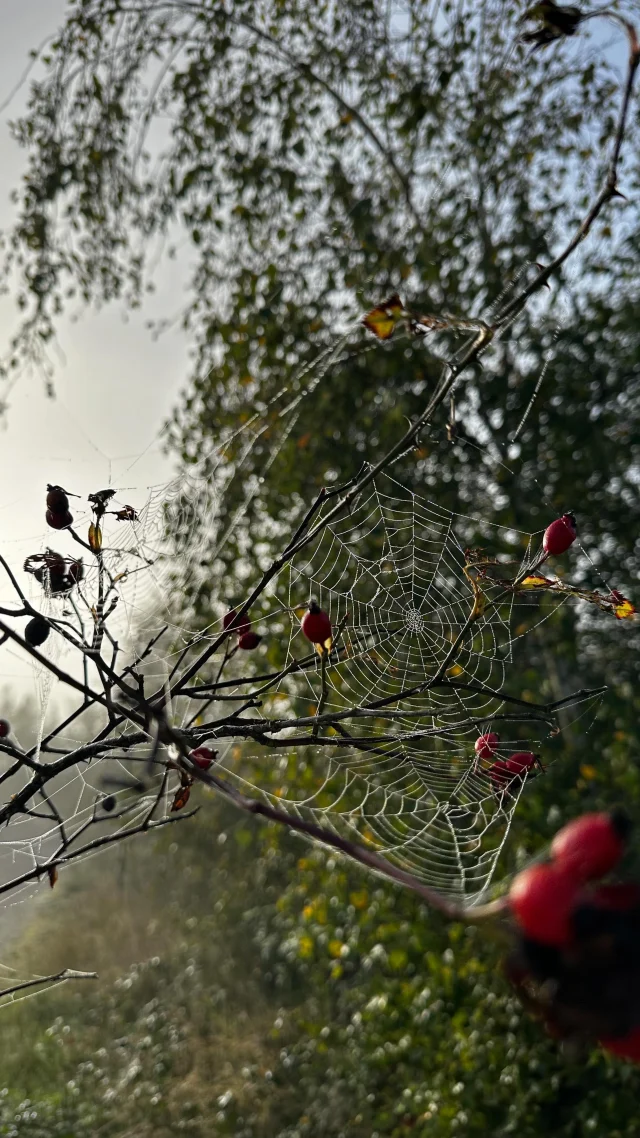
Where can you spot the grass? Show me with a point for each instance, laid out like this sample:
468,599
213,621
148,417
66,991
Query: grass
179,1022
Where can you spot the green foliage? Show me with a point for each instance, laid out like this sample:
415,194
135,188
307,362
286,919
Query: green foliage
279,993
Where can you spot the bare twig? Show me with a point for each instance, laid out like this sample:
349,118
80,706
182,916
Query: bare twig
55,978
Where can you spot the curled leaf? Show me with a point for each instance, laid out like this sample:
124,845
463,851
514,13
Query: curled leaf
536,581
52,873
181,797
382,320
100,498
126,514
95,537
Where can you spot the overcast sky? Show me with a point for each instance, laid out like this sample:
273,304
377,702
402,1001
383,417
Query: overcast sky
114,386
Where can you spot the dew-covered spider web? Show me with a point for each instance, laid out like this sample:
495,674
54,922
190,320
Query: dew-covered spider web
411,684
383,748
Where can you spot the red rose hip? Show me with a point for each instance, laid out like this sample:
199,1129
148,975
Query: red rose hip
249,640
559,535
522,762
542,898
591,846
499,775
486,745
316,624
57,500
203,757
241,624
59,521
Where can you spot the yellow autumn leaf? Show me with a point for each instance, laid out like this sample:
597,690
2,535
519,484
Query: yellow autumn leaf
305,947
383,319
625,610
360,899
456,670
535,581
95,537
588,772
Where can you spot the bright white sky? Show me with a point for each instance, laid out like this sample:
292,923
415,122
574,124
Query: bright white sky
115,387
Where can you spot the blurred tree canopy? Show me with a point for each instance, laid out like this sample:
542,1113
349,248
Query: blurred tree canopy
315,159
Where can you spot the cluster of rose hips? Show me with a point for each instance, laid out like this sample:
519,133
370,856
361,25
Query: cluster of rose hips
557,538
502,772
247,638
315,624
577,962
58,515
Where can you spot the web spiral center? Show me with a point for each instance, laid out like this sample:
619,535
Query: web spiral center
413,619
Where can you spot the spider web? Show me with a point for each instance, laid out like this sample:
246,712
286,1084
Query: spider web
401,772
391,576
